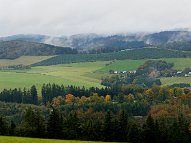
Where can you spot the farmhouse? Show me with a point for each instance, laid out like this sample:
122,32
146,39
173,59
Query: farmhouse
132,72
179,72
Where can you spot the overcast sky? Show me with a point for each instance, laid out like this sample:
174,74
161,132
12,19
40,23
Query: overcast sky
67,17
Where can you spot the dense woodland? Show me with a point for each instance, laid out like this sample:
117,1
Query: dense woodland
121,128
130,113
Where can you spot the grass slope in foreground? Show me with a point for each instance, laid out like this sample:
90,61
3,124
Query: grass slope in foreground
8,139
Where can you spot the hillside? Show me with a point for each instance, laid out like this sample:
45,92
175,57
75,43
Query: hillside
23,60
23,37
143,53
107,43
15,49
165,37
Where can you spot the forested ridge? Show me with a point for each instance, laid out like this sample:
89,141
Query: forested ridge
14,49
140,53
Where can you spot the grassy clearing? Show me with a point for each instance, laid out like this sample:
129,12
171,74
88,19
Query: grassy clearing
24,60
179,63
122,65
173,80
7,139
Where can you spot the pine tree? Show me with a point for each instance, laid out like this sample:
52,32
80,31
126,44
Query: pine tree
34,95
149,130
107,129
123,119
55,124
12,128
71,128
33,124
179,132
134,134
3,126
43,92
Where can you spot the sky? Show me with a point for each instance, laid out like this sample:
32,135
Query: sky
68,17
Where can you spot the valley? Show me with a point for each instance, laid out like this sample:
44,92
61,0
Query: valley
95,71
86,74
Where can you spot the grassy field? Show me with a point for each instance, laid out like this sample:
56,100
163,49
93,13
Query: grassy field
179,64
79,74
172,80
122,65
24,60
6,139
86,74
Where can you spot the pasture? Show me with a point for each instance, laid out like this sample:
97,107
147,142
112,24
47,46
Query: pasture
173,80
24,60
8,139
86,74
120,65
77,74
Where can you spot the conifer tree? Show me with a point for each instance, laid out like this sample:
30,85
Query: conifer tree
34,95
55,124
123,119
107,129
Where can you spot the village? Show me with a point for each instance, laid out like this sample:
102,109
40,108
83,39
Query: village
174,73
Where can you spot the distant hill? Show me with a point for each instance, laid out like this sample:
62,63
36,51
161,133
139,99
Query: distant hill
167,37
25,37
95,43
15,49
178,45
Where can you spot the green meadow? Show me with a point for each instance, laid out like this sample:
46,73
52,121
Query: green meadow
173,80
78,74
120,65
8,139
86,74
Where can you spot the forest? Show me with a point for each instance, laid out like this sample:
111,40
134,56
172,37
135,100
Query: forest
129,113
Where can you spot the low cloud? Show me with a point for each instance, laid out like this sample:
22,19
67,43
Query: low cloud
67,17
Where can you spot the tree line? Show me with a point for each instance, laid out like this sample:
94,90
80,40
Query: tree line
120,128
135,99
25,96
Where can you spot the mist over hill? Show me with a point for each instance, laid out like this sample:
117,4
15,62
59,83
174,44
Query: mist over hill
88,42
18,45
